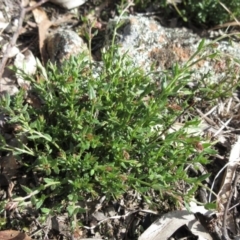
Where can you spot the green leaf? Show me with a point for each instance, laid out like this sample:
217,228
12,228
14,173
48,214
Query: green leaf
34,137
47,137
45,210
71,209
210,206
26,189
201,44
19,151
48,180
70,197
187,206
99,135
40,202
92,172
92,94
56,169
3,222
52,183
33,200
203,177
40,135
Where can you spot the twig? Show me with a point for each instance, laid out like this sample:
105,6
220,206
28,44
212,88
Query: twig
224,228
16,35
214,180
232,15
174,121
121,216
228,24
222,127
204,116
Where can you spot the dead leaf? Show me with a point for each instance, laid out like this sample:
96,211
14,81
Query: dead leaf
44,23
38,13
169,223
25,3
13,235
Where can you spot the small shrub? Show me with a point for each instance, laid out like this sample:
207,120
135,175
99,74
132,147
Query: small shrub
104,134
207,12
210,12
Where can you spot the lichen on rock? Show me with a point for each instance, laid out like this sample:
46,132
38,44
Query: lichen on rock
62,44
152,46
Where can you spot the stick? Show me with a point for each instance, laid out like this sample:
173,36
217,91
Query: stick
224,228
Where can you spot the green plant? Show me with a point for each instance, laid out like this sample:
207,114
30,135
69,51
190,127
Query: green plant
207,12
210,12
104,134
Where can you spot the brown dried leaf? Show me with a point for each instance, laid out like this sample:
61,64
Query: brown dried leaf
44,23
169,223
24,3
13,235
38,13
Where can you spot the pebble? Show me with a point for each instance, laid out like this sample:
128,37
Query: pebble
62,44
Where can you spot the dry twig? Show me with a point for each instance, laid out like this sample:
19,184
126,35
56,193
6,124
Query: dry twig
121,216
224,227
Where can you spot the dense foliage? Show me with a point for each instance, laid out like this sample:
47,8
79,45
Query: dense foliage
207,12
104,133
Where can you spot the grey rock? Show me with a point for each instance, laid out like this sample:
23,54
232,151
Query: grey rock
62,44
149,44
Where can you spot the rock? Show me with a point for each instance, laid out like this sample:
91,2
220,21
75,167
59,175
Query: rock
8,83
148,43
13,51
68,4
8,86
62,44
25,63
